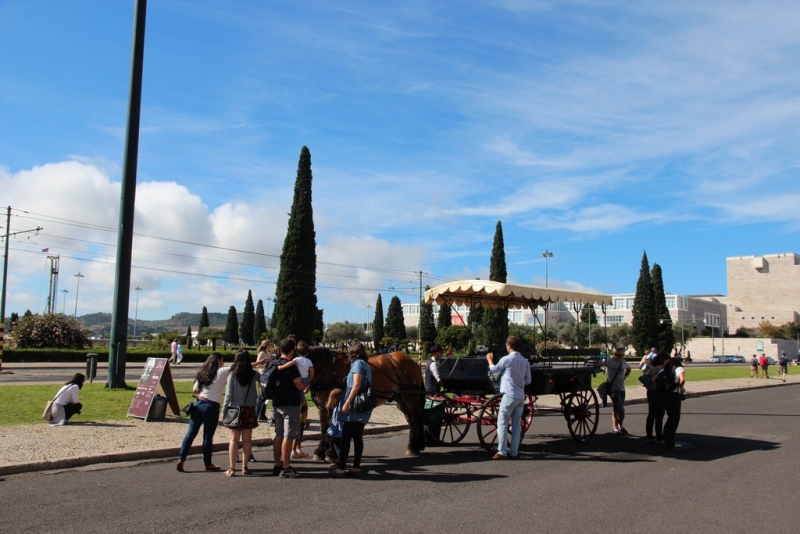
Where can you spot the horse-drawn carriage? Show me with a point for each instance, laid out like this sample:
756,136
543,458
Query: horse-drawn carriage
470,393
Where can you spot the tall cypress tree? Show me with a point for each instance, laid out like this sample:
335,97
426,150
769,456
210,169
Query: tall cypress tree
666,337
495,320
204,323
444,319
296,306
588,315
248,320
260,326
231,335
395,325
644,331
377,323
188,337
427,328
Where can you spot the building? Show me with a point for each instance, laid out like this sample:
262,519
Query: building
695,311
762,288
558,313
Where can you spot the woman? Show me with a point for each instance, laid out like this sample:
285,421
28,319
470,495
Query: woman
209,386
242,391
655,401
353,423
65,404
672,400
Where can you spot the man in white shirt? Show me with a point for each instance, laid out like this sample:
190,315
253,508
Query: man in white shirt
516,374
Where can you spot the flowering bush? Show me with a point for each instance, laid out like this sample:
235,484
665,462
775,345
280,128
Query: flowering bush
53,330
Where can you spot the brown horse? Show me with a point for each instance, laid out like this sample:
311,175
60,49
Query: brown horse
395,377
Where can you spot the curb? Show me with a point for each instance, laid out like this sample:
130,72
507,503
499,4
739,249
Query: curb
156,454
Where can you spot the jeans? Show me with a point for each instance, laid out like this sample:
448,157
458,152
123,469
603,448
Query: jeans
672,402
205,413
655,413
509,408
351,430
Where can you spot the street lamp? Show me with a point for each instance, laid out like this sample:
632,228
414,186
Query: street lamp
77,290
64,301
136,315
546,255
369,309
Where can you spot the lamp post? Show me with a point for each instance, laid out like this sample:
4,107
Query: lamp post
369,309
136,314
546,255
77,290
64,301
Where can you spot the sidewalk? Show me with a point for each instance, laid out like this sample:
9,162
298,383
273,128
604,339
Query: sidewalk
38,447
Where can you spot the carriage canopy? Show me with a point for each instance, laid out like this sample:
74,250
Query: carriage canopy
488,294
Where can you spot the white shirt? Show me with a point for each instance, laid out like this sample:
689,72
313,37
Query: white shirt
67,395
303,365
216,390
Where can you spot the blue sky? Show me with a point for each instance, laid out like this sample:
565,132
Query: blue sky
595,130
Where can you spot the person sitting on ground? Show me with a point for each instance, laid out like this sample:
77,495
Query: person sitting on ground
65,404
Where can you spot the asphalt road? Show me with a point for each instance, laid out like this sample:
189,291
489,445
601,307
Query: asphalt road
735,470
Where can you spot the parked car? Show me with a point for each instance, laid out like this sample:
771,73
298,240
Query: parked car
737,359
771,360
717,359
594,360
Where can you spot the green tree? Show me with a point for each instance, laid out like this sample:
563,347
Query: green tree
211,333
248,320
377,324
296,306
666,337
49,331
188,337
395,327
427,332
345,331
588,315
232,327
619,335
644,327
319,327
495,320
13,320
455,337
204,319
260,325
444,319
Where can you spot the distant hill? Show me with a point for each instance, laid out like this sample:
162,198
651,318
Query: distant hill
100,323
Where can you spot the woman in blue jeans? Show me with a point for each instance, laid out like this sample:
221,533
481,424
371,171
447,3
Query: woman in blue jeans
209,386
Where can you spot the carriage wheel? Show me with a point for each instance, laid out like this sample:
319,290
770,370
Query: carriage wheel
582,413
487,422
527,414
455,423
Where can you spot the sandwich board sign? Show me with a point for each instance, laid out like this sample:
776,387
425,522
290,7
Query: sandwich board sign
156,378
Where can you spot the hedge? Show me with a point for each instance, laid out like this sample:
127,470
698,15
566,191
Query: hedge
133,355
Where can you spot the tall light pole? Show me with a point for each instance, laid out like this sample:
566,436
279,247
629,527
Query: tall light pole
546,255
369,309
64,301
77,290
136,315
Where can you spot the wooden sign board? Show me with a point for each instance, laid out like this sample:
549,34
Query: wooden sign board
156,378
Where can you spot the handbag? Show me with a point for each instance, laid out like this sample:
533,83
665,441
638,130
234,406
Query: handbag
645,379
365,400
47,414
188,409
231,416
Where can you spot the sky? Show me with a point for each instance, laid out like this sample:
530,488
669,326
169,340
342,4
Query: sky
597,131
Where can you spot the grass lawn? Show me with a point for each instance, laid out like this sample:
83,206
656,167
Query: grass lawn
692,374
25,404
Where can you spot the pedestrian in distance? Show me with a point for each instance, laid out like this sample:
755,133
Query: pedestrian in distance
754,366
353,422
673,373
516,374
66,402
173,349
655,401
783,366
763,363
617,370
241,391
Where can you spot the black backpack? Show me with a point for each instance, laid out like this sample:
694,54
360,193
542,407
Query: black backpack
270,380
665,381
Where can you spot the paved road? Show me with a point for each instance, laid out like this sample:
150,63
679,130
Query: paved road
736,450
54,373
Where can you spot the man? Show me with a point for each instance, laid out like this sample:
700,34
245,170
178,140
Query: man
286,404
516,374
174,350
763,362
432,378
617,370
647,360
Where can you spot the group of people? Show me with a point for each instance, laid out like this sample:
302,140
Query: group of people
664,378
218,387
759,366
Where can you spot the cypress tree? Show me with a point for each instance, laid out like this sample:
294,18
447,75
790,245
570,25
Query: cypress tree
248,320
231,335
644,331
188,337
666,337
395,326
260,326
588,315
495,320
427,332
204,319
444,319
377,323
296,305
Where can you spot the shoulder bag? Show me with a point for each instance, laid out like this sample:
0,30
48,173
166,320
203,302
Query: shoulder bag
47,414
365,400
231,418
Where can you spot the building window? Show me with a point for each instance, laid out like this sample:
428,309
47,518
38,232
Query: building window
671,302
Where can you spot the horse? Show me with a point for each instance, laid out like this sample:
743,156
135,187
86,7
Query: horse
395,377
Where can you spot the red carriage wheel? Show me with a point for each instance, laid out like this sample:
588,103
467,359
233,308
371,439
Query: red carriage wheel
527,413
582,413
487,423
455,423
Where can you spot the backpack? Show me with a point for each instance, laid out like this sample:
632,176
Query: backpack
665,381
270,380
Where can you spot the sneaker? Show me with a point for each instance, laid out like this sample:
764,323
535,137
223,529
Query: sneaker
289,473
649,438
276,470
616,432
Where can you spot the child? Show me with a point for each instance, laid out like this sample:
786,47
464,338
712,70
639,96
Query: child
335,426
306,368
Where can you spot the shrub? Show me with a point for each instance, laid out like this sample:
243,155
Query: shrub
54,330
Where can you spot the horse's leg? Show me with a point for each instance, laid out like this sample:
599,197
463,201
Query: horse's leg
409,404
